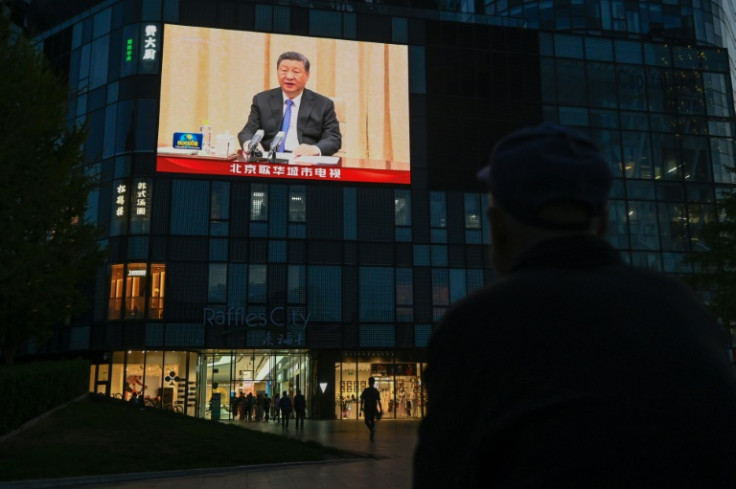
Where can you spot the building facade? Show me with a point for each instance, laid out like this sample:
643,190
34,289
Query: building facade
227,277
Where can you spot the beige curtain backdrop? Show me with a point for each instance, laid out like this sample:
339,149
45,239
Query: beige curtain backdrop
210,74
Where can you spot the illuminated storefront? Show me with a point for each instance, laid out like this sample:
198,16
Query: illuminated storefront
205,384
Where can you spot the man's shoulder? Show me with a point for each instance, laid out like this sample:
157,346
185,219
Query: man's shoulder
315,98
268,94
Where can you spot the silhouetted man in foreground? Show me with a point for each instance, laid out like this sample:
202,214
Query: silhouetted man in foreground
582,371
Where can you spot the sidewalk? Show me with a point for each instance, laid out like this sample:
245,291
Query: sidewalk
390,466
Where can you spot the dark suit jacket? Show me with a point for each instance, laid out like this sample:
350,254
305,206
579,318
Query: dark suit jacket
578,371
317,123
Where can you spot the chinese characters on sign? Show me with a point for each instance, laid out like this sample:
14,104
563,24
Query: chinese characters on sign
255,169
150,43
129,50
120,200
141,199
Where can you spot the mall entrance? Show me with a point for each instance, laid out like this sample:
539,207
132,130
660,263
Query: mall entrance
227,376
399,383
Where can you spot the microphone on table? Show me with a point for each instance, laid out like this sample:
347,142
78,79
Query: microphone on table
275,144
252,148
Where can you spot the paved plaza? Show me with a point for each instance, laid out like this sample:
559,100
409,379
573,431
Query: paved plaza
388,467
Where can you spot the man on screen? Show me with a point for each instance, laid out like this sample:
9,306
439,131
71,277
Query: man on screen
307,118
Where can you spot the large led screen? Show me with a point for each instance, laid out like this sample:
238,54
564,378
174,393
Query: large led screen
210,76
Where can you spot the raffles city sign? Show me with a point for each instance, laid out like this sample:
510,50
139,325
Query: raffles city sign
281,327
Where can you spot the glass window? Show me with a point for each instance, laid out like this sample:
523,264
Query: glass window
297,280
98,62
325,23
440,287
549,85
257,289
158,291
634,121
628,52
717,90
220,201
324,293
458,285
656,79
218,249
135,290
598,49
657,54
77,35
631,87
698,216
686,57
237,281
404,286
421,255
217,290
84,64
637,157
101,24
474,278
722,151
572,85
108,145
638,189
377,294
696,158
473,211
417,64
651,261
666,157
603,118
278,214
259,202
402,207
422,334
675,262
609,142
277,251
115,301
439,255
138,247
437,210
297,203
568,46
190,207
688,92
602,83
146,119
643,223
663,122
618,234
574,116
720,128
672,226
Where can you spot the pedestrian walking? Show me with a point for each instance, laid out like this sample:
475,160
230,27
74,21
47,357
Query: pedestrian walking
300,408
286,408
370,406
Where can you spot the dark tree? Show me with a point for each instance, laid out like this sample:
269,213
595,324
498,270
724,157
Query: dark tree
715,267
47,250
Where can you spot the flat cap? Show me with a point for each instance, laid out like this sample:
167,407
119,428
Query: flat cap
547,164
